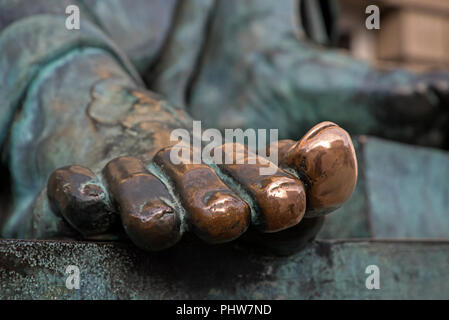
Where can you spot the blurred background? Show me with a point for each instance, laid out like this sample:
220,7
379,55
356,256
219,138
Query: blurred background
403,190
414,34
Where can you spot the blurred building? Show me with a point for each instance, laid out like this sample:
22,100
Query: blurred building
413,33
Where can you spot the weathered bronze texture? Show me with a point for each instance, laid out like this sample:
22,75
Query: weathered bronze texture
75,193
325,270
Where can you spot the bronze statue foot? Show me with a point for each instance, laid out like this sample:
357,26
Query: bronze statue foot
159,201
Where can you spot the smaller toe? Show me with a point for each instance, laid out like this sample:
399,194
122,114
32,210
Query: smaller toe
76,194
215,213
145,205
279,199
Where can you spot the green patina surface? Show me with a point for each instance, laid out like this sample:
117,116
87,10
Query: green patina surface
402,192
324,270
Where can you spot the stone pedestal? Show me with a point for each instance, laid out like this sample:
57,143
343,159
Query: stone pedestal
324,270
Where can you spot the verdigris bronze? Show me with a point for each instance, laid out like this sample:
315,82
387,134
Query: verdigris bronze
88,146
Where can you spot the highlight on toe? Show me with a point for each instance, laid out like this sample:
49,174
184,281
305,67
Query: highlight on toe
326,160
215,213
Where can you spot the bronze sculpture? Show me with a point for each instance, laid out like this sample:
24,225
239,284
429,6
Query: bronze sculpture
73,100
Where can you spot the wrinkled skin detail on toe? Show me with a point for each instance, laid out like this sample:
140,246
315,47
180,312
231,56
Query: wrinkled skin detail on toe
144,204
76,194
